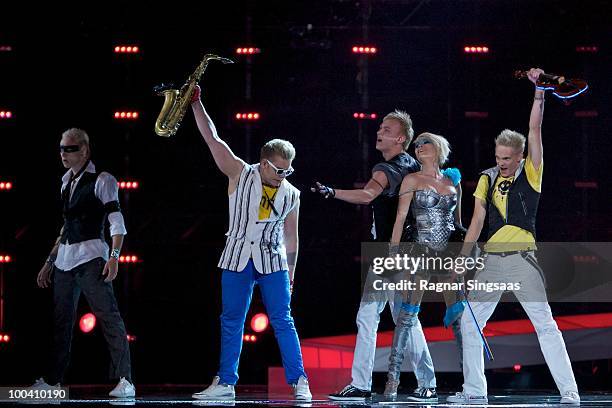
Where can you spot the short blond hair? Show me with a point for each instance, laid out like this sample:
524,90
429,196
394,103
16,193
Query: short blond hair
405,125
510,138
278,147
441,144
80,135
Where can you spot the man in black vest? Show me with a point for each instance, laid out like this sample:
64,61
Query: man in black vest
509,194
381,192
81,262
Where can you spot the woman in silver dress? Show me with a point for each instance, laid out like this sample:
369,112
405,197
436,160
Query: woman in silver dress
435,199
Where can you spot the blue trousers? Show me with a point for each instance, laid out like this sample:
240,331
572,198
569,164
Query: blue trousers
237,290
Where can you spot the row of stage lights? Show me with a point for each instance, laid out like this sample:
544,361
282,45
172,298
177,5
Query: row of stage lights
122,259
356,49
123,185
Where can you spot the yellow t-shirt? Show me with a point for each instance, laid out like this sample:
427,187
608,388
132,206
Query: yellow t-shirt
512,237
268,194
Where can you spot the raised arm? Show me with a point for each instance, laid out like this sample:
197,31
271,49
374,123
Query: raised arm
534,139
226,160
406,192
362,196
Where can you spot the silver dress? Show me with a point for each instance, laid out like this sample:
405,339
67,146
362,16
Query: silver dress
435,223
435,219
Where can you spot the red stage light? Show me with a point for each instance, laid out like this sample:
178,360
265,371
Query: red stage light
248,50
126,115
131,338
6,48
123,49
248,116
6,114
259,322
87,322
4,338
128,185
360,49
517,368
366,116
587,48
128,259
476,49
5,258
6,185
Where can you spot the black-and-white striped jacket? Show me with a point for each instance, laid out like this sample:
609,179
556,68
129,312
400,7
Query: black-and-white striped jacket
249,237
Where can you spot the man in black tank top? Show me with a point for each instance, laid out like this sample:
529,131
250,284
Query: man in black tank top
381,192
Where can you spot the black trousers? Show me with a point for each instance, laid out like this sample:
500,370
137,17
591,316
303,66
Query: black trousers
67,287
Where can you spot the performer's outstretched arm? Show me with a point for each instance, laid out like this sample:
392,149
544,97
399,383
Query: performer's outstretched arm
534,139
362,196
226,160
292,240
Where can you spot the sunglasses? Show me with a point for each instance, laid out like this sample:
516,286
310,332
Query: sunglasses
69,148
421,142
281,172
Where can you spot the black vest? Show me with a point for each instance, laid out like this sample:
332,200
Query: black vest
84,214
521,203
384,206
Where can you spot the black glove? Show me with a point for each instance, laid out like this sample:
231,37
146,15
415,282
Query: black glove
324,190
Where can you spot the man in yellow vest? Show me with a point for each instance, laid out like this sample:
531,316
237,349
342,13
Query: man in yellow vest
508,194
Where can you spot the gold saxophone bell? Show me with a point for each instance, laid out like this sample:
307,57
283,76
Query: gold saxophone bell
176,101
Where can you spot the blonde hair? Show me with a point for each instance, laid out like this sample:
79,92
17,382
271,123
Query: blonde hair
278,147
441,144
510,138
405,125
80,135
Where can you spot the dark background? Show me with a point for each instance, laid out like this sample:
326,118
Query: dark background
63,73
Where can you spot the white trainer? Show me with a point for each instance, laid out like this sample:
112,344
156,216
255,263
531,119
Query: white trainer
216,391
463,398
570,397
41,384
301,390
124,389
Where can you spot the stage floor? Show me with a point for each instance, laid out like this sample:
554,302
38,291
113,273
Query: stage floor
253,397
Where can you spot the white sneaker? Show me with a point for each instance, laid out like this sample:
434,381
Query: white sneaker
570,397
301,390
124,389
462,398
40,384
216,391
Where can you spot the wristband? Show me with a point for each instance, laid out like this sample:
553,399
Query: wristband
115,253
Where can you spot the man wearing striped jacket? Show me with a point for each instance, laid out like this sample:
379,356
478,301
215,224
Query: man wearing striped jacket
261,248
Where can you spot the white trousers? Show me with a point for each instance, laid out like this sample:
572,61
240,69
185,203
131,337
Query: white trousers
532,296
417,352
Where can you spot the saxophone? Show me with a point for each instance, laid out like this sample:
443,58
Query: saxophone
176,102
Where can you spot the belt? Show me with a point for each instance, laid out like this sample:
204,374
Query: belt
505,254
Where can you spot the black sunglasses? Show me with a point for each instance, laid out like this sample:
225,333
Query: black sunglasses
69,148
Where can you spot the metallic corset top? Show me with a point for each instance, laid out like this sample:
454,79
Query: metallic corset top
434,215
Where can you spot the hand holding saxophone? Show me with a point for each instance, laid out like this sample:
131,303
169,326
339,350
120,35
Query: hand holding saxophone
195,96
177,101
